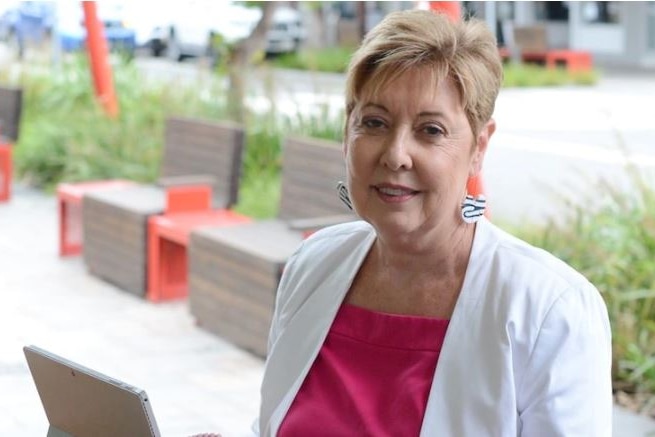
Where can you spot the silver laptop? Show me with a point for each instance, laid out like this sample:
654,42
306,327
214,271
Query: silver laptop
80,402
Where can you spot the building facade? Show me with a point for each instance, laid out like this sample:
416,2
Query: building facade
616,33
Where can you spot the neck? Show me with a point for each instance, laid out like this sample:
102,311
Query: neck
436,252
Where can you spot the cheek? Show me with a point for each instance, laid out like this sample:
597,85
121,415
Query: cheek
358,156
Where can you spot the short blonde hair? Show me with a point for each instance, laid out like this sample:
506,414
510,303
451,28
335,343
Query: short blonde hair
465,51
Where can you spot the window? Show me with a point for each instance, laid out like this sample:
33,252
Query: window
600,12
552,11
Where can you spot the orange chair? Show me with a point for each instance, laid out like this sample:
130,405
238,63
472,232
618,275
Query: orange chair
187,208
5,172
574,60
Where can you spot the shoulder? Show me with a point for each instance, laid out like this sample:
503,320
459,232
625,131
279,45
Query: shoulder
521,264
334,236
524,283
329,244
331,251
539,304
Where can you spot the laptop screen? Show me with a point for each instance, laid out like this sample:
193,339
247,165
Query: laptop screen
81,402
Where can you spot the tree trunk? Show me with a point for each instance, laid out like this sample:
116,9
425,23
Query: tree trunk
240,60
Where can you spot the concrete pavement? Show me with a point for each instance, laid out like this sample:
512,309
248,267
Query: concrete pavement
196,382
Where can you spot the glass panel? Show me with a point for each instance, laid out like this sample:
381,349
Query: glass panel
601,12
552,11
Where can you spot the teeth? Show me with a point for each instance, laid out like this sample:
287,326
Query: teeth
392,191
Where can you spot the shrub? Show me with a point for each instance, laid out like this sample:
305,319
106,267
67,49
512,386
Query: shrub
329,59
66,136
335,60
532,75
614,247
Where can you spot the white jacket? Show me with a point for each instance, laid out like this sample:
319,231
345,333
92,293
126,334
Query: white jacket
527,351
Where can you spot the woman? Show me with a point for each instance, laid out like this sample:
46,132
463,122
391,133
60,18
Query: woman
424,318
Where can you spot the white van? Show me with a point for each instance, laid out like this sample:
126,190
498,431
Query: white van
190,31
287,31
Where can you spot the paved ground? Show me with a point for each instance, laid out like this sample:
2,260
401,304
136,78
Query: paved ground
196,381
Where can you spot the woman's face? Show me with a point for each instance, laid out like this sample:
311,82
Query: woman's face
409,153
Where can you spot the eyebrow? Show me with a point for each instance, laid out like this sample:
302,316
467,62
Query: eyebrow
375,105
421,114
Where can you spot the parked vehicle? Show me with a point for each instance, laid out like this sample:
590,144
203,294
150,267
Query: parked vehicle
287,31
25,22
193,31
150,24
71,32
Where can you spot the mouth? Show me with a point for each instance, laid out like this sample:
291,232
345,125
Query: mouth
394,193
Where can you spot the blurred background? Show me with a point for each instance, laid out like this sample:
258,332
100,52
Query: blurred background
614,33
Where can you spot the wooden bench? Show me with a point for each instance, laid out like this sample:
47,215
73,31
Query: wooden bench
11,109
69,203
69,195
197,153
533,45
234,271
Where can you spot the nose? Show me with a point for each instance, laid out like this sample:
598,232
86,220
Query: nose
396,154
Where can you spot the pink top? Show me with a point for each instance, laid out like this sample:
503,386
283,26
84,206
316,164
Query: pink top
372,376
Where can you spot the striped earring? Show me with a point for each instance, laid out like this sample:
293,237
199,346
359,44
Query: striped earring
473,208
342,190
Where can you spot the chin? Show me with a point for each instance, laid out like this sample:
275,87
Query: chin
390,226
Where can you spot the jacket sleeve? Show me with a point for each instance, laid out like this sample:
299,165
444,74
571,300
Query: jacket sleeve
281,298
566,388
277,322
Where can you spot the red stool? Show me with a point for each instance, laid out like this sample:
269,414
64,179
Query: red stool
69,198
168,237
5,172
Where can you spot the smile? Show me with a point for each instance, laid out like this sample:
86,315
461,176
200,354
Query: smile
394,193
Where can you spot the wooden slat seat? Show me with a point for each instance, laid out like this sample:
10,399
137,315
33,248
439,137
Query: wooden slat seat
114,228
11,109
114,222
234,271
532,42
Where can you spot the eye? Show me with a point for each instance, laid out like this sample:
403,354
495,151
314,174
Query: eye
432,130
372,123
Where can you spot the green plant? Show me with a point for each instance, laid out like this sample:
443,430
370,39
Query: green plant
532,75
321,124
614,247
330,59
67,137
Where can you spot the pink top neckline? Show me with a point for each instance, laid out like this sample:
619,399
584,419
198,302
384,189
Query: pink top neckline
372,376
372,327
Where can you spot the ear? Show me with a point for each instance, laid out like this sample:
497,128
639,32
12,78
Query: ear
481,143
